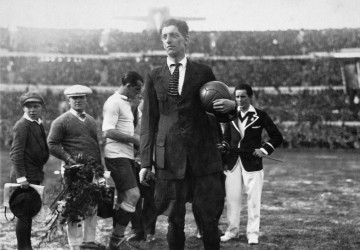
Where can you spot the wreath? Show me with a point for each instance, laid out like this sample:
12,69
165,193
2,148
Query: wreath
80,194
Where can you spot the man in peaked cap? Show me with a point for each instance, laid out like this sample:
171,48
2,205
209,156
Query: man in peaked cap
71,134
31,97
77,90
29,153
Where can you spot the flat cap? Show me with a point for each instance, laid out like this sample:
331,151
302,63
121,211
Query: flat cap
31,97
77,90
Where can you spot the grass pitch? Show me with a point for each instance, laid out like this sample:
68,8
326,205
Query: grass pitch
311,201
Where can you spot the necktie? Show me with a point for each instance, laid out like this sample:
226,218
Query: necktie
81,115
174,81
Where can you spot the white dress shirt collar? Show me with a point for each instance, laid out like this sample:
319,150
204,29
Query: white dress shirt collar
242,124
251,109
170,61
27,117
74,112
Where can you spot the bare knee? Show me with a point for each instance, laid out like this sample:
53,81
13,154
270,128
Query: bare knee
130,196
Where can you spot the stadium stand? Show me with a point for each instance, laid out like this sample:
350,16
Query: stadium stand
302,89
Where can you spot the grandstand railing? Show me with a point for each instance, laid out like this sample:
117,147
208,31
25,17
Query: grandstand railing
6,87
313,55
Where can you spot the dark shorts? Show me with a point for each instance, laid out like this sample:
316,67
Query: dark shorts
122,172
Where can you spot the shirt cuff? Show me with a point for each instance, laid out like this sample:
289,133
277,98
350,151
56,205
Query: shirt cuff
264,151
21,179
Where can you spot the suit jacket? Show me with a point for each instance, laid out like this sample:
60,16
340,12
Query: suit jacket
176,131
256,123
29,150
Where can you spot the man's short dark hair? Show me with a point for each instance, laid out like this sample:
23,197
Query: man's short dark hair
131,77
245,86
180,24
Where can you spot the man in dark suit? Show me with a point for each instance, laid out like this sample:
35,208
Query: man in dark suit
244,162
177,137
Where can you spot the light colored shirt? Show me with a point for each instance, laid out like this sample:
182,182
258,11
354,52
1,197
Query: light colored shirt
74,112
182,70
27,117
242,124
117,114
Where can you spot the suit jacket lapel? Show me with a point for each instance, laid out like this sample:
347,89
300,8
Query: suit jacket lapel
252,117
238,136
191,76
41,141
235,125
163,78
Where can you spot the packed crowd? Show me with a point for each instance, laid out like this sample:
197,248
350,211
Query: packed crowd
230,43
305,106
66,71
319,135
307,111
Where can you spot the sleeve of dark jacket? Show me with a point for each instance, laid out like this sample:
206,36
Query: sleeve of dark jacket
275,136
149,121
20,134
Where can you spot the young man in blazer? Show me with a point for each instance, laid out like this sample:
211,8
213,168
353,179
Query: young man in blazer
245,169
29,153
178,139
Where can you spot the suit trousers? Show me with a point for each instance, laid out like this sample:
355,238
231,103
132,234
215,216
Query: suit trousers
207,196
84,231
23,229
239,182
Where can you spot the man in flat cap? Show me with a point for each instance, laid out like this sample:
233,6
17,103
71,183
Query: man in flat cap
29,153
71,134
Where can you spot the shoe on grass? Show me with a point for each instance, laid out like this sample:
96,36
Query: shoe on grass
120,244
253,240
198,233
92,245
150,238
135,237
228,236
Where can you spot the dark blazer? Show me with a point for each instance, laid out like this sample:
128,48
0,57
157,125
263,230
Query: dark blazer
256,123
176,131
29,150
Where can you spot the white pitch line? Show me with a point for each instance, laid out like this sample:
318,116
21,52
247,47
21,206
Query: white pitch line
326,157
